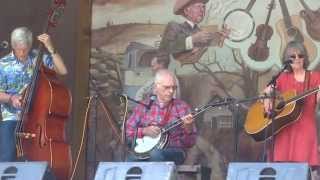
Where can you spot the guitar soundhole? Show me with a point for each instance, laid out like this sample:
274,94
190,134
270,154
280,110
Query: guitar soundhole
295,34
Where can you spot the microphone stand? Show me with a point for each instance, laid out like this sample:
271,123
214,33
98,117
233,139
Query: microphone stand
272,83
125,120
234,107
133,100
235,113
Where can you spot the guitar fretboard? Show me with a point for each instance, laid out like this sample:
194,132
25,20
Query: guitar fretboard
285,14
303,95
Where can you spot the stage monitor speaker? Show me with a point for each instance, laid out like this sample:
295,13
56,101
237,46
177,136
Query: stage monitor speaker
268,171
25,170
135,171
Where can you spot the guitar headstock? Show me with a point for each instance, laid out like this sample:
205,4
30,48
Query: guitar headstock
56,12
271,5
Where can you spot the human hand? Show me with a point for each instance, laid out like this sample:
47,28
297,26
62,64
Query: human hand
46,40
268,90
188,122
267,102
220,36
202,37
152,131
15,101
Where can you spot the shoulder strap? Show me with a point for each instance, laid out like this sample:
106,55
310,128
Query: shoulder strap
306,85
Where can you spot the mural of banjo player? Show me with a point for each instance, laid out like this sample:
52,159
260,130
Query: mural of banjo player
186,41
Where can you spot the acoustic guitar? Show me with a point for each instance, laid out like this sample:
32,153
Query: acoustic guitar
287,110
312,20
290,29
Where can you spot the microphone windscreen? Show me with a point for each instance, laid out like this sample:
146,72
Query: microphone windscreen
289,61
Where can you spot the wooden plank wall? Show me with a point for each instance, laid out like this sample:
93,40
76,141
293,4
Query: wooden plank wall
72,39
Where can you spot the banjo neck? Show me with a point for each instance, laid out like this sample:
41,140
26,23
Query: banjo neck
145,144
250,5
179,121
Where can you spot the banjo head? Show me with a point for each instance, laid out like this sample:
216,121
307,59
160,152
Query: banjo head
241,25
146,144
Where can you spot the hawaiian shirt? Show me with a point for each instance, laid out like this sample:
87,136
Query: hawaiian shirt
15,76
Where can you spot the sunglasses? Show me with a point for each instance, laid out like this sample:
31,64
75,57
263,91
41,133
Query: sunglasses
299,56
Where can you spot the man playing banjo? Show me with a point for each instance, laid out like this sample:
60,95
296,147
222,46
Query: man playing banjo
150,122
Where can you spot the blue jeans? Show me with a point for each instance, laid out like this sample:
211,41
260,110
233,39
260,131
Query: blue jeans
7,141
176,155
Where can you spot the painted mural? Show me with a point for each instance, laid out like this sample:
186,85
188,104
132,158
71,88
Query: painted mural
125,35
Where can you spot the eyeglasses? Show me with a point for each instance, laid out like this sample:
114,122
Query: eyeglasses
174,87
299,56
169,87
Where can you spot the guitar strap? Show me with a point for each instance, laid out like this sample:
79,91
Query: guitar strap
308,76
306,85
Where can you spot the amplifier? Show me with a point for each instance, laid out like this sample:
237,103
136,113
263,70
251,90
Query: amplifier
268,171
135,171
25,170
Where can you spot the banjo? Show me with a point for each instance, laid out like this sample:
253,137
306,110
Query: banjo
143,146
240,22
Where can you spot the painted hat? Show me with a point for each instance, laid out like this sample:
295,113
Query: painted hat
180,4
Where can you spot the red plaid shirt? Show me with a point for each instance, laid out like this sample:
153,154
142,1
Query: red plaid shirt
142,117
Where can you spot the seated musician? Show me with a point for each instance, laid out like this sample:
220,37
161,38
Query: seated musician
164,110
16,71
297,142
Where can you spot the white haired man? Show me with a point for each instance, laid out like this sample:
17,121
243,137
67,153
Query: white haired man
16,70
163,111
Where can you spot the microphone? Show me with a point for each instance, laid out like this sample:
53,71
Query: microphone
287,62
148,106
4,45
152,99
116,93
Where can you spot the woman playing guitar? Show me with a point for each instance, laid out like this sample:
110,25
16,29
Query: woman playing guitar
297,142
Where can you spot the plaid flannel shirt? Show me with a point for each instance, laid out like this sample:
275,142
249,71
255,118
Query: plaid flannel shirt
143,117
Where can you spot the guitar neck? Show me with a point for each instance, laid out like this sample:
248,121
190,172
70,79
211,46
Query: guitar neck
285,14
303,95
305,6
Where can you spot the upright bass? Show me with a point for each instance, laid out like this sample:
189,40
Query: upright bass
40,133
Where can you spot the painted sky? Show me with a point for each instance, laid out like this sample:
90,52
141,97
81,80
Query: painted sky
156,11
160,11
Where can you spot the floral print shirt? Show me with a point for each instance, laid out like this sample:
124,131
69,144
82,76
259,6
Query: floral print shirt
15,76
